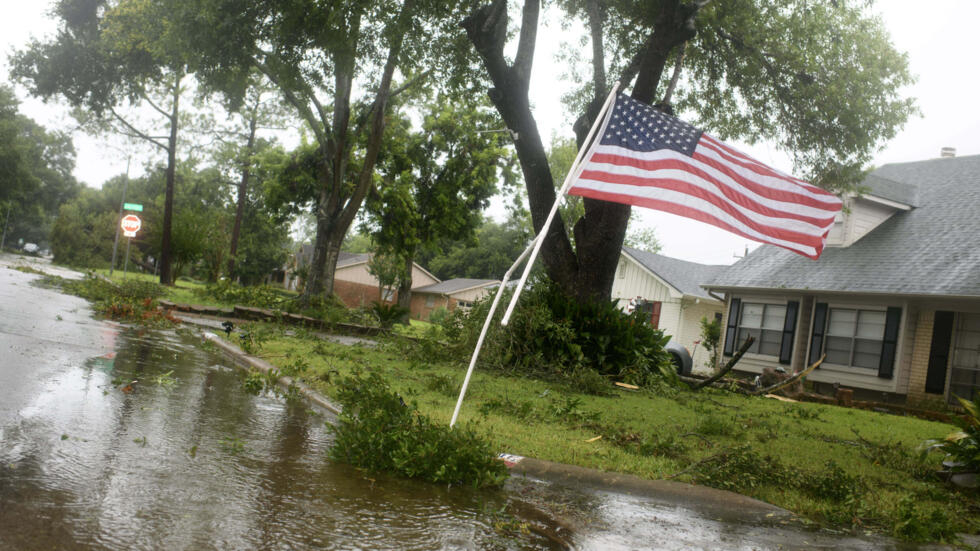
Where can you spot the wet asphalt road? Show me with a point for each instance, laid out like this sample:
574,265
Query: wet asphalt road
42,332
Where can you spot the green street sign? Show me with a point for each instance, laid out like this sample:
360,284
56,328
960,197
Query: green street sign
133,206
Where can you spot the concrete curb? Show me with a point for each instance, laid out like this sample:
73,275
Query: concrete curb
717,503
252,362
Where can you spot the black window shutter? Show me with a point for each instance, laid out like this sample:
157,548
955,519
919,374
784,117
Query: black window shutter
732,327
819,327
887,366
789,331
942,337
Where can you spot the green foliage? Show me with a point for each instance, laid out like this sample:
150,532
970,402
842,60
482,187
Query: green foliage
711,337
36,170
551,333
439,315
387,314
132,300
254,382
259,296
916,523
377,431
962,446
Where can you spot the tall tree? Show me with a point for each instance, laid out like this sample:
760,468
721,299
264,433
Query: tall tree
441,177
107,55
313,52
35,174
257,109
820,77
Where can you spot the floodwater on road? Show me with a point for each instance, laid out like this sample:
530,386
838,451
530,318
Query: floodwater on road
114,437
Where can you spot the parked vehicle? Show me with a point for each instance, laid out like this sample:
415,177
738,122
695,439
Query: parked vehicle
680,357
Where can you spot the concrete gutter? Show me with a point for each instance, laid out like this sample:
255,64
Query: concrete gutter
252,362
719,504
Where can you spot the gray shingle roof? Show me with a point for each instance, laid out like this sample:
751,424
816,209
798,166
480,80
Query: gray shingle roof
901,192
934,249
451,286
346,259
684,276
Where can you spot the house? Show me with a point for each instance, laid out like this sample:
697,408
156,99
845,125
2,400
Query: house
449,294
670,290
352,283
894,300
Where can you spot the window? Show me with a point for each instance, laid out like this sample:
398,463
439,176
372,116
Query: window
389,295
430,301
765,323
854,337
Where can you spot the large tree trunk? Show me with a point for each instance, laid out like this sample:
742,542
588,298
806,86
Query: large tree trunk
405,289
586,273
166,275
334,214
242,192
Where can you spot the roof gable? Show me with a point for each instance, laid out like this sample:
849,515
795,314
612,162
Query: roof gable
929,250
685,277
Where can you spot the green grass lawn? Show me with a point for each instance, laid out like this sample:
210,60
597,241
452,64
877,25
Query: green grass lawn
842,468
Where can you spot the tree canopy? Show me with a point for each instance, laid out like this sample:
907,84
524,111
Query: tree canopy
820,78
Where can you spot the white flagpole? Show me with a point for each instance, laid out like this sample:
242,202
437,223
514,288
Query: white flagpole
554,208
486,326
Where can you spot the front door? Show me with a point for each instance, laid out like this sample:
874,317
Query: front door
965,366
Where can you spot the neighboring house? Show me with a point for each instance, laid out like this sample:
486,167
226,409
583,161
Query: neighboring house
449,294
670,290
353,283
894,301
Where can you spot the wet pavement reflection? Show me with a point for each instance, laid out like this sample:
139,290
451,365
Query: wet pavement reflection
124,438
157,446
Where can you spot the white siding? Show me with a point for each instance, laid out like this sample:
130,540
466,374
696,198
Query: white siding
864,216
680,316
358,273
471,295
632,281
690,329
420,278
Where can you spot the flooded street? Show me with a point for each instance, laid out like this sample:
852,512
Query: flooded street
114,437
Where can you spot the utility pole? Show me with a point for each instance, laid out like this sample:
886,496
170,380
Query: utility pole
115,244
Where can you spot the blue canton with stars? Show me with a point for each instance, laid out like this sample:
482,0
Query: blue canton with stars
641,127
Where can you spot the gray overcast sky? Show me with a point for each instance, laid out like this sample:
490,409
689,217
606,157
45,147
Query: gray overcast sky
939,36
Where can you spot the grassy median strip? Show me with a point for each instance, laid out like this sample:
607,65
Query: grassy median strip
841,468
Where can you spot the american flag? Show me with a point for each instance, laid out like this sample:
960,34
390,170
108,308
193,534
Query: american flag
650,159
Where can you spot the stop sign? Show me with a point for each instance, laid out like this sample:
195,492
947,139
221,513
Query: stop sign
131,224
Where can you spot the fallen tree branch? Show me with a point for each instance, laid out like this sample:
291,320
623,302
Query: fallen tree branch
787,382
728,366
699,435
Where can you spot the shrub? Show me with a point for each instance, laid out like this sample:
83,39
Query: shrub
962,446
378,431
131,301
551,333
439,315
387,315
259,296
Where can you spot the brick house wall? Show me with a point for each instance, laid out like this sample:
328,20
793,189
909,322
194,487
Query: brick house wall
355,295
919,364
422,308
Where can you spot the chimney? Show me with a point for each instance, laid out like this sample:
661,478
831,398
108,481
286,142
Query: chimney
947,152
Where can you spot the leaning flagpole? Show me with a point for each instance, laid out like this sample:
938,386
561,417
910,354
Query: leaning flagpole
486,326
561,195
533,248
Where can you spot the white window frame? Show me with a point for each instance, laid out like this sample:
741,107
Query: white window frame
756,348
858,309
